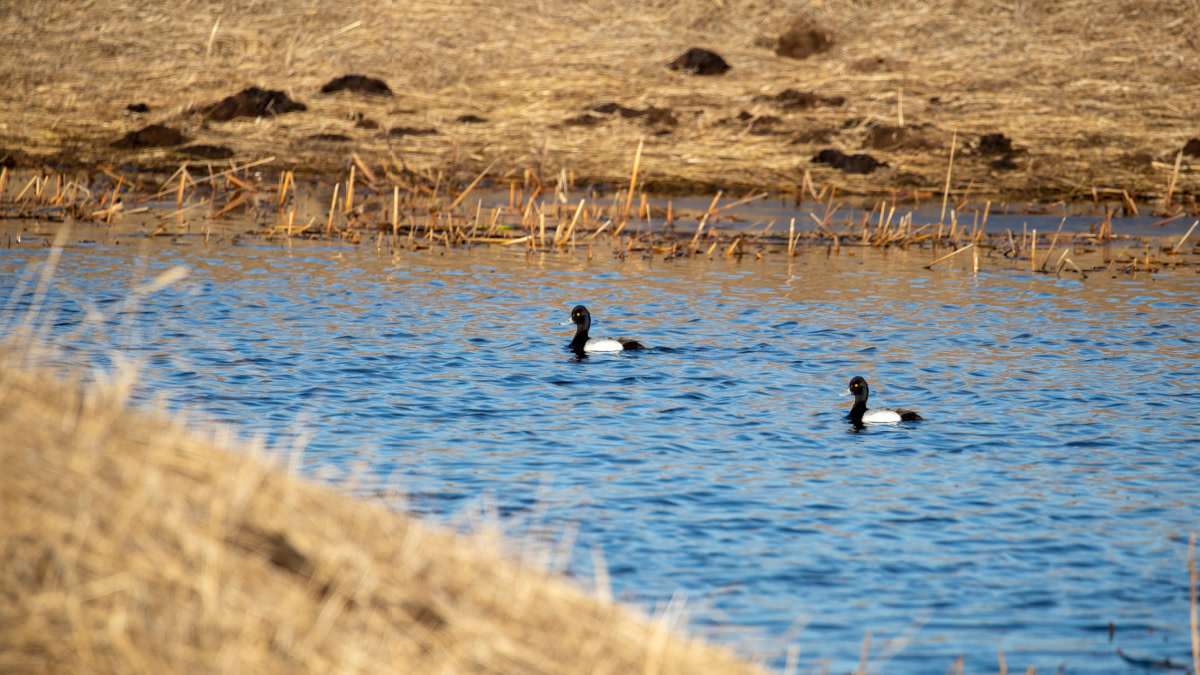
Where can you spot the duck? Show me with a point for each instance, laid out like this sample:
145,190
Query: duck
860,415
582,319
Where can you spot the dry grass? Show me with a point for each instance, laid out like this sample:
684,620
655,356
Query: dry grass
1092,98
132,545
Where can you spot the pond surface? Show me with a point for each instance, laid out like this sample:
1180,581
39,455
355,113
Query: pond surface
1048,495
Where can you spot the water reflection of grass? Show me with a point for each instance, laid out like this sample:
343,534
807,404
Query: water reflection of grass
401,208
131,544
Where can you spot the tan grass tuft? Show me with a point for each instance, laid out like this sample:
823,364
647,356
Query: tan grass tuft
131,544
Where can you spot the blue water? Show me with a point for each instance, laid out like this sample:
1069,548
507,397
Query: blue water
1049,494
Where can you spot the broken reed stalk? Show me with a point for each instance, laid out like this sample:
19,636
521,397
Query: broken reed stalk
704,219
1195,619
949,255
3,181
637,161
570,233
1053,242
1182,239
1032,249
349,191
332,208
949,172
476,182
866,650
1166,206
395,212
285,180
792,239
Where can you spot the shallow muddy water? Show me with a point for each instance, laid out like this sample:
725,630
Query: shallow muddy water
1048,495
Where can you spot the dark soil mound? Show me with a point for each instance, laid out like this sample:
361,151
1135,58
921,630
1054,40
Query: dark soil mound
995,144
153,136
860,163
1192,148
214,152
595,114
137,108
470,119
699,61
360,84
411,131
330,138
803,39
253,102
801,100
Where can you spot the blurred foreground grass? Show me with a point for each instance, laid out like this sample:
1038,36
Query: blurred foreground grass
132,544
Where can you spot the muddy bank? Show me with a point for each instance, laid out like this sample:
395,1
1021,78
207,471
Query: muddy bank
772,89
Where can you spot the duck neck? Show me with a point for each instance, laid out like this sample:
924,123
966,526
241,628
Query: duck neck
857,412
581,338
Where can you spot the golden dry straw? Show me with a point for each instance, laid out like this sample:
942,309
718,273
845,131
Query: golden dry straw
133,545
1092,105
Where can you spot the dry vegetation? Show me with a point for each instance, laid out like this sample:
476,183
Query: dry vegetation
132,545
1093,98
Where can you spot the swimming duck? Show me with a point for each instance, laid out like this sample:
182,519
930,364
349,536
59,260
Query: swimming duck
860,415
582,343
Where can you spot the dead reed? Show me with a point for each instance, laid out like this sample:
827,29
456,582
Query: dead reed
399,206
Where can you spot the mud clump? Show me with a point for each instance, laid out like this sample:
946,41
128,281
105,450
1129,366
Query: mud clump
802,39
600,112
253,102
859,163
792,99
994,144
889,138
137,109
1192,147
411,131
991,145
359,84
211,152
153,136
330,138
697,61
470,119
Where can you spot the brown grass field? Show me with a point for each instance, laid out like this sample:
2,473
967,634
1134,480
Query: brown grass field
1097,100
131,545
